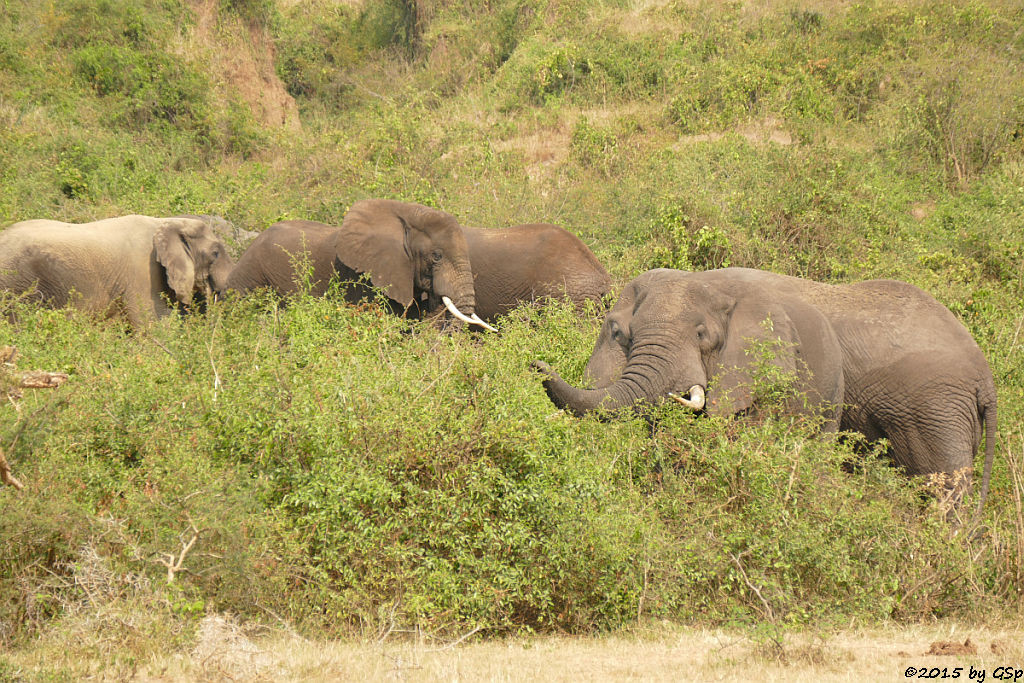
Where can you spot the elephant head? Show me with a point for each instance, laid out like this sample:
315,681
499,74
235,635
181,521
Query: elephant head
687,337
195,261
416,254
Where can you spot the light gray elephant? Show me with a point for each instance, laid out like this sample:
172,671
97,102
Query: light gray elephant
129,264
911,372
416,254
529,262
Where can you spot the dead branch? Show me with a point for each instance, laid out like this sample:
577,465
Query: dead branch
454,643
11,384
769,613
40,379
5,473
177,565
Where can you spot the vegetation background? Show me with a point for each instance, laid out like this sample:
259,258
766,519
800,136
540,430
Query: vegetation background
351,474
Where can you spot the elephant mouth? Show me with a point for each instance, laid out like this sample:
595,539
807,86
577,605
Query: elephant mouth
693,399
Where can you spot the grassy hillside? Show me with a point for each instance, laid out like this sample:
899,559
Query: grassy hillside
345,472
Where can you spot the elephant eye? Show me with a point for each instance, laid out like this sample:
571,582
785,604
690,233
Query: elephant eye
619,336
436,256
702,332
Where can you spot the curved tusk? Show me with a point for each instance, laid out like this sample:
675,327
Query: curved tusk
463,317
696,400
481,323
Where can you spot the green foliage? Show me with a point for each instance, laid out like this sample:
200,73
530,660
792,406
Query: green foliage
110,22
387,472
257,12
152,85
349,471
315,52
391,23
539,71
591,146
692,244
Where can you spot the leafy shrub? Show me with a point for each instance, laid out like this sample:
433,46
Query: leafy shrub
313,53
391,23
692,245
965,121
74,168
257,12
539,71
113,22
153,85
592,146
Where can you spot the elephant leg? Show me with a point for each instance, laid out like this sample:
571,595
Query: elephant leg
928,413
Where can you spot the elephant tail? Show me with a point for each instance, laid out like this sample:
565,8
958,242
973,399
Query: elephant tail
989,418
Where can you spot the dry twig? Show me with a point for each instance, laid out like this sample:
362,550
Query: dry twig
175,565
11,384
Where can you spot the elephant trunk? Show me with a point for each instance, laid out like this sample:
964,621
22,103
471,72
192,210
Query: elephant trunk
454,286
219,274
580,401
646,377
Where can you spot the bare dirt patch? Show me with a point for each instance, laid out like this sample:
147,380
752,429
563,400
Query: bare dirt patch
948,647
241,57
543,150
922,210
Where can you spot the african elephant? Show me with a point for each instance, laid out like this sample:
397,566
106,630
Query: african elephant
415,254
131,264
912,373
683,336
528,262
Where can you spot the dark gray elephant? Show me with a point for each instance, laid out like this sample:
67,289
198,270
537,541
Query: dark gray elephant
679,335
415,254
912,373
129,264
529,262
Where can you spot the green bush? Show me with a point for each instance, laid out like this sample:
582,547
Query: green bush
350,472
591,146
691,244
538,72
151,85
257,12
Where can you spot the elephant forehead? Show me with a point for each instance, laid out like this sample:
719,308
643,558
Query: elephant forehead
676,296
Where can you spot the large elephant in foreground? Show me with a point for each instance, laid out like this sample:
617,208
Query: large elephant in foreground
678,335
528,262
911,372
129,264
415,254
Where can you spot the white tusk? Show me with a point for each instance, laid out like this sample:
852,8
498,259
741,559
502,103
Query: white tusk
696,400
481,323
463,317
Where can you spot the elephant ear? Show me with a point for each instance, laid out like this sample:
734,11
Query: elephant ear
375,240
173,251
754,329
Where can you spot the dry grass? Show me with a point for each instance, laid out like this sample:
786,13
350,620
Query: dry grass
224,651
758,132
